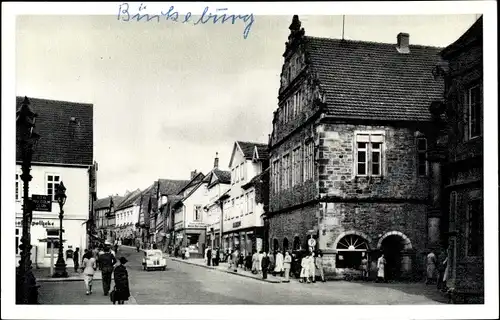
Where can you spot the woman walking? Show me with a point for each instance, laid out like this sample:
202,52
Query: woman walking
122,291
381,269
89,267
312,267
278,269
287,264
319,265
304,272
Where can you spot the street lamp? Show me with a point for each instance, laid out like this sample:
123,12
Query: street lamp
60,197
26,288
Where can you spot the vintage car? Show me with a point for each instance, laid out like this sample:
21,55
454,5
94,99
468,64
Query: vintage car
154,259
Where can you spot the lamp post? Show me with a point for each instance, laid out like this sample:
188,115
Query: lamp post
60,264
26,288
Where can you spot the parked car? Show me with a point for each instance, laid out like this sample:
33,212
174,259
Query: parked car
154,259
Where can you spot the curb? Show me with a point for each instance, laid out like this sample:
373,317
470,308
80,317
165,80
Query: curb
225,271
59,279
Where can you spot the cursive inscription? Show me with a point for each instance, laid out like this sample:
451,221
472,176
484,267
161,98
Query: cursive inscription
126,14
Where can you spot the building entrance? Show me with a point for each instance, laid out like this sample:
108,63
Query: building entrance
392,247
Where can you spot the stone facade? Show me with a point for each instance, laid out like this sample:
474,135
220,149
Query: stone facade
463,183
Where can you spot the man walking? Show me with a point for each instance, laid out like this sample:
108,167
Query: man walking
76,259
209,256
107,261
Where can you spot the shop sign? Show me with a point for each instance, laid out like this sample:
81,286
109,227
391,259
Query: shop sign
196,225
37,223
41,202
236,224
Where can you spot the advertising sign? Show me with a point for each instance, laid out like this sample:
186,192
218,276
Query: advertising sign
41,202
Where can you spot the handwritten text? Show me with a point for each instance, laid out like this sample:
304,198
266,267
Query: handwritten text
125,14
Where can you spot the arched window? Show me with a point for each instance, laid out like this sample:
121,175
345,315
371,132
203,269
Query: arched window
296,243
276,245
285,244
350,251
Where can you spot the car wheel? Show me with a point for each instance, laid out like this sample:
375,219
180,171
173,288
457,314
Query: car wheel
164,268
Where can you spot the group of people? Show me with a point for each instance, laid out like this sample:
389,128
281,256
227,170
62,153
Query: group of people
104,259
437,269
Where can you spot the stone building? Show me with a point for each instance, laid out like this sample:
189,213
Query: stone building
462,158
348,151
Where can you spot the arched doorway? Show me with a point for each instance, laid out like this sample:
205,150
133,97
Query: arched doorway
351,249
276,245
285,244
392,246
296,243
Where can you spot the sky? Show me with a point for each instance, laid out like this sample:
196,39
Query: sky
168,96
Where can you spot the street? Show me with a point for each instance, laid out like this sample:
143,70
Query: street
187,284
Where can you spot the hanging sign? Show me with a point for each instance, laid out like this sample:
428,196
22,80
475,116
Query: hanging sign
311,242
41,202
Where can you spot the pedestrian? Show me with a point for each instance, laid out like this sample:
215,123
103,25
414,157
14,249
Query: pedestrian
214,257
122,291
381,268
107,262
116,245
209,256
138,245
76,259
89,267
205,255
431,261
319,265
364,267
312,267
186,253
100,252
446,263
217,256
255,262
304,272
235,257
287,264
265,264
241,260
270,255
260,256
278,266
248,262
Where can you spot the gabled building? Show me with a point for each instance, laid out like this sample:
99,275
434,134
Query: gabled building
104,217
461,156
64,154
218,183
348,152
126,216
243,205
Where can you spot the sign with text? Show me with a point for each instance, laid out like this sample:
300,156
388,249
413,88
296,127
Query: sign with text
197,225
236,224
41,202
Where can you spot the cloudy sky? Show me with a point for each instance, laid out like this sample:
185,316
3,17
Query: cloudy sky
168,96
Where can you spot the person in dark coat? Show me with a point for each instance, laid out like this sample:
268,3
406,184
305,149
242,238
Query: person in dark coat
76,259
122,291
209,256
107,261
248,262
265,265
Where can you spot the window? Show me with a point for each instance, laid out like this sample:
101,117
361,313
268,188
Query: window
18,240
52,183
276,175
251,199
369,154
197,213
422,156
474,110
242,171
309,161
296,160
474,228
286,171
18,187
247,203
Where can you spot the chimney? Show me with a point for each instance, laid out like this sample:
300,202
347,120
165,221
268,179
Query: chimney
216,161
403,43
193,174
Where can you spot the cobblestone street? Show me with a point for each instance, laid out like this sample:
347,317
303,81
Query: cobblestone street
183,283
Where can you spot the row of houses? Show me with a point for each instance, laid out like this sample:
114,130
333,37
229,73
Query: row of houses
375,148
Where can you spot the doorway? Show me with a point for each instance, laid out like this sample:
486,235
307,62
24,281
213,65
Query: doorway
392,247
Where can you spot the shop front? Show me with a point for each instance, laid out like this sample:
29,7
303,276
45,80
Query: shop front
244,239
42,251
193,238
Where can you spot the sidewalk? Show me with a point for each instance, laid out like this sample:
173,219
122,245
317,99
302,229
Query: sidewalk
43,275
224,267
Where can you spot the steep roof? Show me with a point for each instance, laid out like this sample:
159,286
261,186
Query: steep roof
62,140
473,35
262,151
130,199
169,187
105,202
196,179
369,80
223,176
248,148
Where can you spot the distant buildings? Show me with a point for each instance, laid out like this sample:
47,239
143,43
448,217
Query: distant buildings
64,153
104,217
